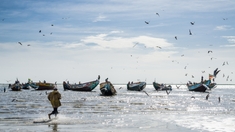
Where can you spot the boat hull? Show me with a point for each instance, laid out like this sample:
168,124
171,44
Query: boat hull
139,86
158,86
89,86
45,86
107,89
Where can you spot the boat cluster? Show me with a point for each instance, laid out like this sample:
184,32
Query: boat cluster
107,87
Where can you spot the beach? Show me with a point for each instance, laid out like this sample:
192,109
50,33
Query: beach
181,110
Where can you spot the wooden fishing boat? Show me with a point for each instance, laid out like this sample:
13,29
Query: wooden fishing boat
107,88
159,86
137,86
88,86
44,86
198,87
16,86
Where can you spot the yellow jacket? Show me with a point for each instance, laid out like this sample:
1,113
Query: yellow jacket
54,97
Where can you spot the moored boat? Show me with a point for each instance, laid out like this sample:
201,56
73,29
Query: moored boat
44,86
159,86
136,86
16,86
107,88
198,87
88,86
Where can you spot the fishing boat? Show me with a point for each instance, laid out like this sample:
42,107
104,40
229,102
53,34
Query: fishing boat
88,86
136,86
198,87
16,86
204,84
159,86
107,88
44,86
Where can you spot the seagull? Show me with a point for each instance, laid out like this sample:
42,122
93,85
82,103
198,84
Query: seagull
223,64
168,92
203,71
207,96
157,14
28,45
175,37
146,22
159,47
190,33
40,31
51,33
216,71
20,43
182,55
192,23
146,93
185,67
135,44
178,86
186,74
209,51
192,76
52,25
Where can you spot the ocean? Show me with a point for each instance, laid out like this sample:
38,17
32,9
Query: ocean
181,110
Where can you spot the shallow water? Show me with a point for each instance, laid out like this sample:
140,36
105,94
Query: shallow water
181,110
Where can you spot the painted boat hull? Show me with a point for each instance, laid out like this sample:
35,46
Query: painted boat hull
138,86
158,86
107,89
198,87
88,86
45,86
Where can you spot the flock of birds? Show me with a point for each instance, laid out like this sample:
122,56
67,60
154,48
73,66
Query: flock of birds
190,33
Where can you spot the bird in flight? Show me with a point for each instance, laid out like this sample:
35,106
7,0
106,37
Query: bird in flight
28,45
157,14
175,37
146,22
159,47
52,25
190,33
209,51
40,31
20,43
192,23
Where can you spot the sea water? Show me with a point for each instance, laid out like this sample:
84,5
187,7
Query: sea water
152,110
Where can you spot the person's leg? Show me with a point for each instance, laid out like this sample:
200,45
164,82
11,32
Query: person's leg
56,111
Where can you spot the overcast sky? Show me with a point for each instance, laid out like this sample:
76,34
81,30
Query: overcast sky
123,40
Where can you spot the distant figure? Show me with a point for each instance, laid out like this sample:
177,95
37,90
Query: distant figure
207,96
219,99
54,97
44,81
4,89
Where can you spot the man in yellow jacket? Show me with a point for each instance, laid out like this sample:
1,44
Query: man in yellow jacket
54,97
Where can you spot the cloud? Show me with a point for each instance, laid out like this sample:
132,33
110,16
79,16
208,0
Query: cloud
231,39
100,18
223,28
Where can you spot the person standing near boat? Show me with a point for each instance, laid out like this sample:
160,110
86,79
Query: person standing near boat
54,97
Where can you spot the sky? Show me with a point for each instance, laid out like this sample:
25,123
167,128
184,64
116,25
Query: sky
122,40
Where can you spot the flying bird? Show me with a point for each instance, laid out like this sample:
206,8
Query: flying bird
223,64
175,37
190,33
157,14
40,31
159,47
209,51
146,22
20,43
146,93
192,23
28,45
52,25
178,86
207,96
216,71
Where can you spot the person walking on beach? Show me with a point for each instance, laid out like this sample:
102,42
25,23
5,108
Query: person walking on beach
54,97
